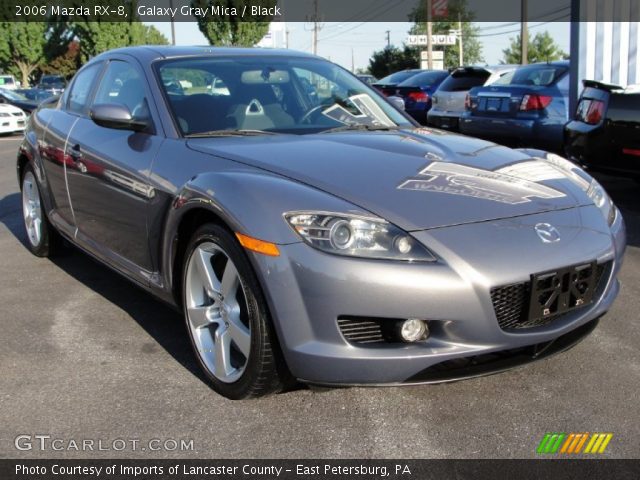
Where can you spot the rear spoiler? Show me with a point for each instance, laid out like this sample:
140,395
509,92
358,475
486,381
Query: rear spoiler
608,87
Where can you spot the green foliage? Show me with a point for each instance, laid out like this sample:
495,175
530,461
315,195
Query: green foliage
153,36
233,31
22,48
392,59
542,48
66,64
471,47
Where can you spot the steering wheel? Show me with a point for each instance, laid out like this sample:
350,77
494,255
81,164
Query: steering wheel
314,111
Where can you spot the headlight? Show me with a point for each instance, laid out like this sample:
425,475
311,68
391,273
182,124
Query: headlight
3,114
357,236
602,200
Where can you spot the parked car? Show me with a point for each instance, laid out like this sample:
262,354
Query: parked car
604,133
333,242
9,82
449,98
368,79
529,107
12,119
55,84
417,91
388,85
34,94
17,100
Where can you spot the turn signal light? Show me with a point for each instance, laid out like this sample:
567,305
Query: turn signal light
259,246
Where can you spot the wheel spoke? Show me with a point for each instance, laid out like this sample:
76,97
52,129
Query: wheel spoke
229,284
238,332
222,346
208,276
36,229
200,316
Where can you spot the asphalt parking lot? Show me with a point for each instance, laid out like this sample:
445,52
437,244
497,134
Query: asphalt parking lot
86,355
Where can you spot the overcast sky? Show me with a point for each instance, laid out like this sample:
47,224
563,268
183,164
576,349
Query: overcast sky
337,40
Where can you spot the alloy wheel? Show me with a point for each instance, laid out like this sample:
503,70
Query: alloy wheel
31,209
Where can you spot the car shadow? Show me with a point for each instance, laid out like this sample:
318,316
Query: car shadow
625,193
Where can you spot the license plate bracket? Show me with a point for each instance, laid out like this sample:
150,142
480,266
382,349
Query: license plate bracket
559,291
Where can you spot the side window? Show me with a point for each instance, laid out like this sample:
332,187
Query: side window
121,84
82,85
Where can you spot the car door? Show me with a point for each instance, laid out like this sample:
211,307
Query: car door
53,146
109,183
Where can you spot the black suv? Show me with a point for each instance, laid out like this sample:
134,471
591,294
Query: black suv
55,84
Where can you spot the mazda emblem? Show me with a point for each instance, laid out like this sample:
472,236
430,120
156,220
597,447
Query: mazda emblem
547,233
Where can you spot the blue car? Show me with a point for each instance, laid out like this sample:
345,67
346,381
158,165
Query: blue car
526,108
417,92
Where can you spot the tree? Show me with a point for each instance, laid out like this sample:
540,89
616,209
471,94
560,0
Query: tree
392,59
472,48
153,36
233,30
66,64
22,47
541,49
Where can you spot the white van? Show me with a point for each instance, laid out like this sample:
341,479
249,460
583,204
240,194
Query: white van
9,82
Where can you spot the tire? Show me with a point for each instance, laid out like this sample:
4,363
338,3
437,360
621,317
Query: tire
42,239
227,318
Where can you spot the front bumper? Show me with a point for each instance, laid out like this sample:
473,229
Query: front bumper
12,124
308,290
446,120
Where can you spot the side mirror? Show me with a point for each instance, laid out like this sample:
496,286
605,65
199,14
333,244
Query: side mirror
117,116
397,102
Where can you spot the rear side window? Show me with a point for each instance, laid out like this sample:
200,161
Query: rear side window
534,75
460,81
398,77
81,88
423,79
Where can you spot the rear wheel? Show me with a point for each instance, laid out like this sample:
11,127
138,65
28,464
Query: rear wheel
42,239
227,317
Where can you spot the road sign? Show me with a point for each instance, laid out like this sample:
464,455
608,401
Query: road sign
437,55
418,40
439,8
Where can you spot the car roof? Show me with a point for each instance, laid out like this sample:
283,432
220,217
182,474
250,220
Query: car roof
155,52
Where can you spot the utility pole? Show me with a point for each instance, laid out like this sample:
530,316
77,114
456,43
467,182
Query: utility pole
286,38
429,35
524,35
460,39
353,68
173,27
388,32
316,28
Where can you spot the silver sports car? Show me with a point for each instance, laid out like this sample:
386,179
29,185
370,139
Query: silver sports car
308,229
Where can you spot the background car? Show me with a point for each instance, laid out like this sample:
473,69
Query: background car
416,91
388,85
528,107
449,99
12,119
17,100
368,79
9,82
35,94
604,133
53,83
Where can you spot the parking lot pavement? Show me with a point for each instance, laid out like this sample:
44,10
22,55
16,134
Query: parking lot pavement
86,355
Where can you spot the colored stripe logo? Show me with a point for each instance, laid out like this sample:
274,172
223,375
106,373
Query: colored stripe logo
574,443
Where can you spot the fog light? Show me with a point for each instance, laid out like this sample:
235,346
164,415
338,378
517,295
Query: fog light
413,330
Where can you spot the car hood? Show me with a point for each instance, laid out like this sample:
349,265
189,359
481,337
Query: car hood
417,179
5,107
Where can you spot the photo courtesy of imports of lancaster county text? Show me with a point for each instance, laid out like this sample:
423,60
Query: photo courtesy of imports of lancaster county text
294,239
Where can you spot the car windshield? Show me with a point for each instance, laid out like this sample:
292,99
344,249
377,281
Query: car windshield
397,77
424,79
539,75
6,81
264,94
51,80
12,95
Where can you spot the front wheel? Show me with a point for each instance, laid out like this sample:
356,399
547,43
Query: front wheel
227,317
41,237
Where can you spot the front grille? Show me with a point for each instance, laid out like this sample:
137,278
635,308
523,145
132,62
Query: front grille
511,302
361,330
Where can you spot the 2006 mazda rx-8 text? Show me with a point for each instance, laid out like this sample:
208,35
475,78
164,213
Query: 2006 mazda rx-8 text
308,229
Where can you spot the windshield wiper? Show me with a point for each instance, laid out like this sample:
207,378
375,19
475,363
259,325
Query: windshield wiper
230,133
362,127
